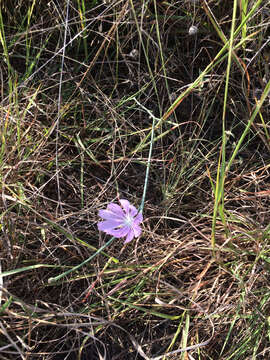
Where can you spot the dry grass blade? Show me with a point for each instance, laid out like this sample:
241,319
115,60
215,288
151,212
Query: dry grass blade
165,104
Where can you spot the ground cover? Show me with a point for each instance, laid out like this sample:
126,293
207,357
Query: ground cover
165,104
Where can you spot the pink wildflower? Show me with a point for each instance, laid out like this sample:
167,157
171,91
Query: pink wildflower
121,221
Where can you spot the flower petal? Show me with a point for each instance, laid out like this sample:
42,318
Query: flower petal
109,215
128,208
133,211
118,233
109,225
125,205
137,230
138,219
129,237
116,209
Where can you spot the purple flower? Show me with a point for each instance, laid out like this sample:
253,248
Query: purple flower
121,221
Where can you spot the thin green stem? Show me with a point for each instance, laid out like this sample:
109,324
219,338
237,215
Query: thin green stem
56,278
154,119
219,193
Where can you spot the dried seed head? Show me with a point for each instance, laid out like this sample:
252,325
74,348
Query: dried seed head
134,54
193,30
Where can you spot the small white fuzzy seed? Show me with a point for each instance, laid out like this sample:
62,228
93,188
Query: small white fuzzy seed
193,30
134,54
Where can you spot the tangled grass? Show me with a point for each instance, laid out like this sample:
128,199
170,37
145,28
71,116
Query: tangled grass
81,82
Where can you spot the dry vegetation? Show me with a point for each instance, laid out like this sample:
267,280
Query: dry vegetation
81,82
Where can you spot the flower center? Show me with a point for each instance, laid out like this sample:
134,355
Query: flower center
128,220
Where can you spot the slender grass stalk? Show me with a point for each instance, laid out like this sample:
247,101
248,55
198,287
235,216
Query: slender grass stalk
6,53
144,310
163,62
146,55
219,193
175,337
27,38
59,106
243,5
251,120
267,135
32,64
80,146
185,334
4,131
26,268
154,120
81,10
233,321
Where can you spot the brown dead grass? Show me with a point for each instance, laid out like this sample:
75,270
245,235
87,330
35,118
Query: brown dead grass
167,290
